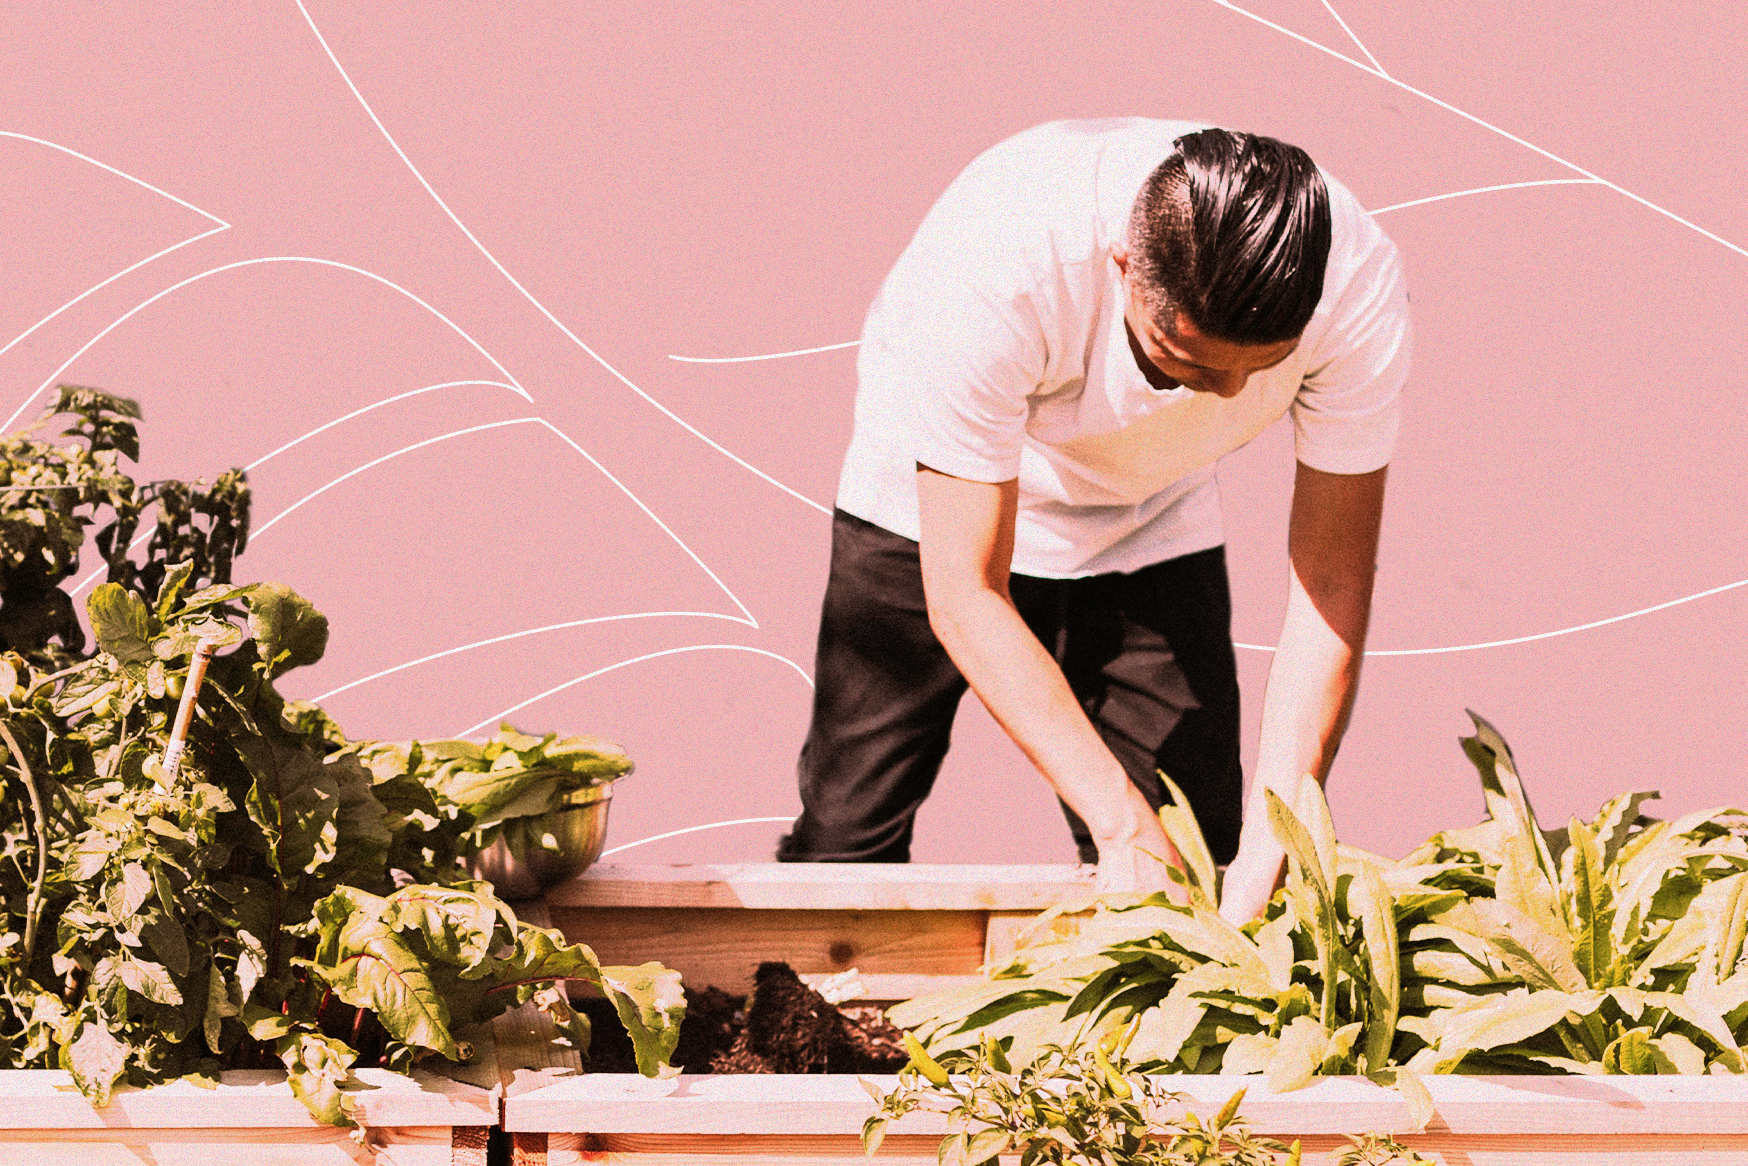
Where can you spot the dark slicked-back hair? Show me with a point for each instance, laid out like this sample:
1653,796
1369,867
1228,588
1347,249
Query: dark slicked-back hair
1232,230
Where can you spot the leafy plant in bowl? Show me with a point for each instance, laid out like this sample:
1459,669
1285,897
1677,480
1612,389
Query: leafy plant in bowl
523,812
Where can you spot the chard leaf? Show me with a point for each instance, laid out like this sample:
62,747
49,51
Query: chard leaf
458,926
369,965
1297,1053
320,1074
647,997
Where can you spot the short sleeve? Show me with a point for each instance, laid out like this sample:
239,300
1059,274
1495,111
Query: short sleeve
954,345
1348,409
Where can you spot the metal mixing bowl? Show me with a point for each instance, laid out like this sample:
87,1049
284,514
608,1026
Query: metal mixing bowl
536,853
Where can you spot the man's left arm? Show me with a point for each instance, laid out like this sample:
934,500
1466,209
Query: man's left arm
1332,544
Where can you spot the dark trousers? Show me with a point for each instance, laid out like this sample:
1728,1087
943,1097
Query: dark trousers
1148,655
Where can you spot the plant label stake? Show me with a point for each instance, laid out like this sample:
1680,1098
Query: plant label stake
185,711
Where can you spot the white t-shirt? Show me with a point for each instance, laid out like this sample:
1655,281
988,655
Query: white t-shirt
996,349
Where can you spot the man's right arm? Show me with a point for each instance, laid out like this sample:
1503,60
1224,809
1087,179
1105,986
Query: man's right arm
967,543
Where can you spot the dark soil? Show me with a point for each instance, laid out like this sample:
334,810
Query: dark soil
782,1027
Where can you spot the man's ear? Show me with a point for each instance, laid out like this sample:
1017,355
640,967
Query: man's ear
1120,253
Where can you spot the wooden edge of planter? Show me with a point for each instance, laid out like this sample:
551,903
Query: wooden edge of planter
829,886
776,1104
47,1099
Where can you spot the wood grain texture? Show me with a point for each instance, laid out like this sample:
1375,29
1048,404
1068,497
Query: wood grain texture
723,946
911,1150
1469,1106
828,886
42,1099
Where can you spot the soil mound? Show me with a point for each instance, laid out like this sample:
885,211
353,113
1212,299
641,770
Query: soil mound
783,1026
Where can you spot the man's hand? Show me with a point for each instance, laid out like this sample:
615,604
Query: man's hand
967,548
1333,544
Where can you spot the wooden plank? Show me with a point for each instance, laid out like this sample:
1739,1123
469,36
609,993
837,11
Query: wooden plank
39,1099
723,946
910,1150
1471,1106
322,1146
904,1150
828,886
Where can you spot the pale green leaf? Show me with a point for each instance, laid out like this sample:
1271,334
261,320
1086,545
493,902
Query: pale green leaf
1383,963
121,622
1185,832
1298,1052
96,1060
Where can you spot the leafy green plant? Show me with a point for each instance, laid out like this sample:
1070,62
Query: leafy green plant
476,787
51,493
1618,945
1065,1106
247,907
1615,945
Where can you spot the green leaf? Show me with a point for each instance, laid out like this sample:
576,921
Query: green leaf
1383,963
168,942
1297,1053
1506,800
319,1069
1307,864
126,897
96,1060
1541,959
368,965
1505,1020
456,925
1179,820
1591,907
1635,1052
149,979
121,622
218,1007
288,630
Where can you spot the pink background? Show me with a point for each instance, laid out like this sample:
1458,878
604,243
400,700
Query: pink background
427,270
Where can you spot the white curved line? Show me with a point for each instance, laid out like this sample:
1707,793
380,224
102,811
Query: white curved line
1489,190
320,490
490,721
553,627
526,294
694,830
1356,40
368,408
763,356
523,393
222,226
99,286
114,171
1486,125
1539,635
678,541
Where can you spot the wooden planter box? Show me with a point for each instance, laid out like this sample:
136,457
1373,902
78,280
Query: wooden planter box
250,1119
812,1121
907,928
